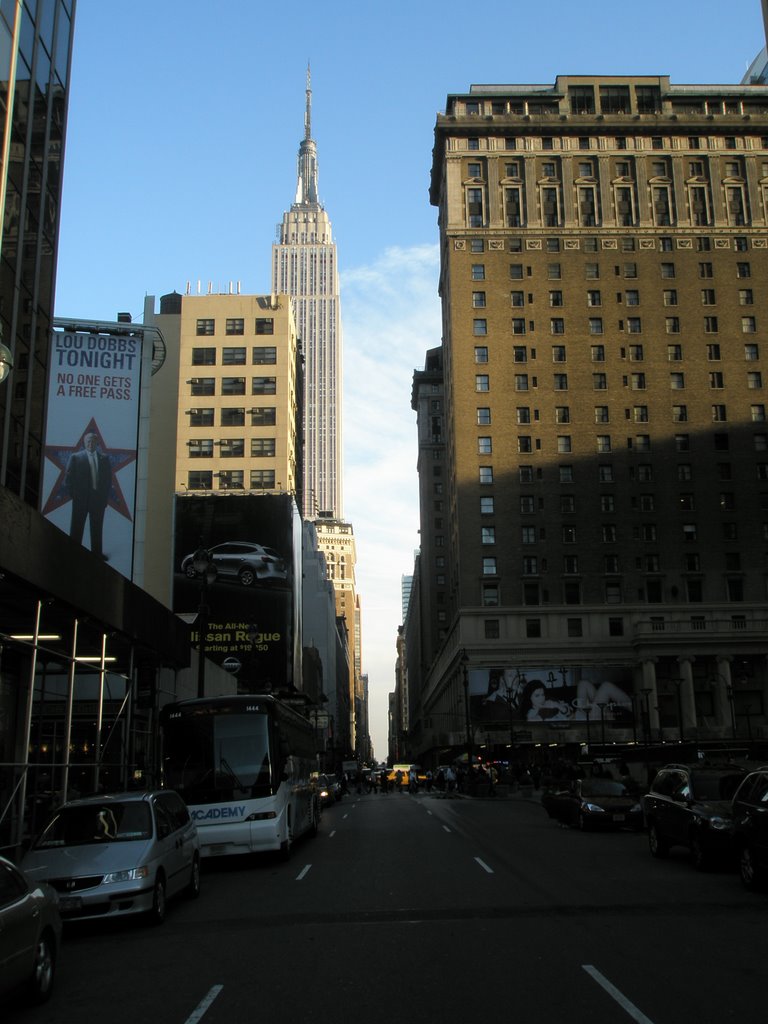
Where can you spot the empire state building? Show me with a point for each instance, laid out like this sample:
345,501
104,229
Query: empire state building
304,266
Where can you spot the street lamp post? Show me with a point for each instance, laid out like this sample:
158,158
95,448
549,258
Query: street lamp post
602,705
206,570
468,722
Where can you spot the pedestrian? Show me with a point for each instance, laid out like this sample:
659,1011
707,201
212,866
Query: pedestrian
440,780
429,780
399,780
493,777
450,779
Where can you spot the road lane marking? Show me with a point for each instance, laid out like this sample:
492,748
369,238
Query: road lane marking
202,1006
446,829
614,993
484,866
303,872
332,834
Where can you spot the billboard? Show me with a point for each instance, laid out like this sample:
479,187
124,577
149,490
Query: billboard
253,617
91,440
552,695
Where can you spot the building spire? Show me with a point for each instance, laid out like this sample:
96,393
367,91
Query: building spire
308,113
306,189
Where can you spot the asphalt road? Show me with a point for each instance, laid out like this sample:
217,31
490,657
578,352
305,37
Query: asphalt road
416,909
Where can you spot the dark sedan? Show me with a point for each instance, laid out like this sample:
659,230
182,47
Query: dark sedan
593,803
30,933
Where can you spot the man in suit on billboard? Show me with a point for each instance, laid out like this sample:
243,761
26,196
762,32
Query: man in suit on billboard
89,481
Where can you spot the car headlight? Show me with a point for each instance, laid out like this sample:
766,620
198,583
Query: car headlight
593,808
721,824
132,875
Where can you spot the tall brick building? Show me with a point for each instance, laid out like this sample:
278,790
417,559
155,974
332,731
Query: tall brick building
597,517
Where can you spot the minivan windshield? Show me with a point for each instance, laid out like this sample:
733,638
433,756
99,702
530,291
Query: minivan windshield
81,825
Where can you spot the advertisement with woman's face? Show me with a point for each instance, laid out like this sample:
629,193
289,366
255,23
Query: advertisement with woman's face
552,694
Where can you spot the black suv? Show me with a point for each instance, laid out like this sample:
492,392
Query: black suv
750,828
690,805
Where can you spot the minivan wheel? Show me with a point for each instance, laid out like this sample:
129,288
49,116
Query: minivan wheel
657,844
193,889
40,984
158,911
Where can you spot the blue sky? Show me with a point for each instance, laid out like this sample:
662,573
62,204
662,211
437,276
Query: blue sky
184,123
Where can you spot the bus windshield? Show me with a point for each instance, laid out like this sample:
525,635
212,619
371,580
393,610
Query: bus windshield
211,757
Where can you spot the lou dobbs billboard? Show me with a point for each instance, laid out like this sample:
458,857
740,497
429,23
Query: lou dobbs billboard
91,440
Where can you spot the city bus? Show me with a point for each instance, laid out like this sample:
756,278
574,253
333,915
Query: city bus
243,766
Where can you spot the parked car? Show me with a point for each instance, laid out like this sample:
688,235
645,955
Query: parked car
30,934
109,856
325,790
690,806
241,562
593,803
750,828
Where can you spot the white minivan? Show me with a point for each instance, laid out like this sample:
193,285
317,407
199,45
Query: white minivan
118,854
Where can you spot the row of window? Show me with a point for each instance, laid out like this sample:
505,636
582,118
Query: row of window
626,206
206,326
258,479
575,626
231,448
633,381
595,324
604,443
234,355
637,413
621,142
620,168
606,475
260,417
594,297
635,353
652,591
233,386
666,243
646,532
533,565
607,99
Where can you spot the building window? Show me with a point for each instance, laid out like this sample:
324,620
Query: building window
200,479
264,416
234,325
265,325
599,381
484,446
679,413
558,353
479,327
264,385
481,354
483,415
486,505
205,327
233,356
262,479
231,479
517,298
482,382
518,325
754,380
557,325
489,566
561,382
488,535
486,474
262,447
478,271
232,448
203,356
602,414
490,595
233,417
492,629
521,382
478,300
203,386
263,355
677,381
201,448
670,296
201,417
233,385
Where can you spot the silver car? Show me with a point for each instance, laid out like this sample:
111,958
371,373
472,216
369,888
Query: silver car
241,562
126,853
30,934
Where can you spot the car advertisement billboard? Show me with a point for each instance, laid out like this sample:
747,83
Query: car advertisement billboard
253,622
553,695
91,439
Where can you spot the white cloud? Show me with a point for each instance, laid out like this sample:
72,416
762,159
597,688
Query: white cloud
390,317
